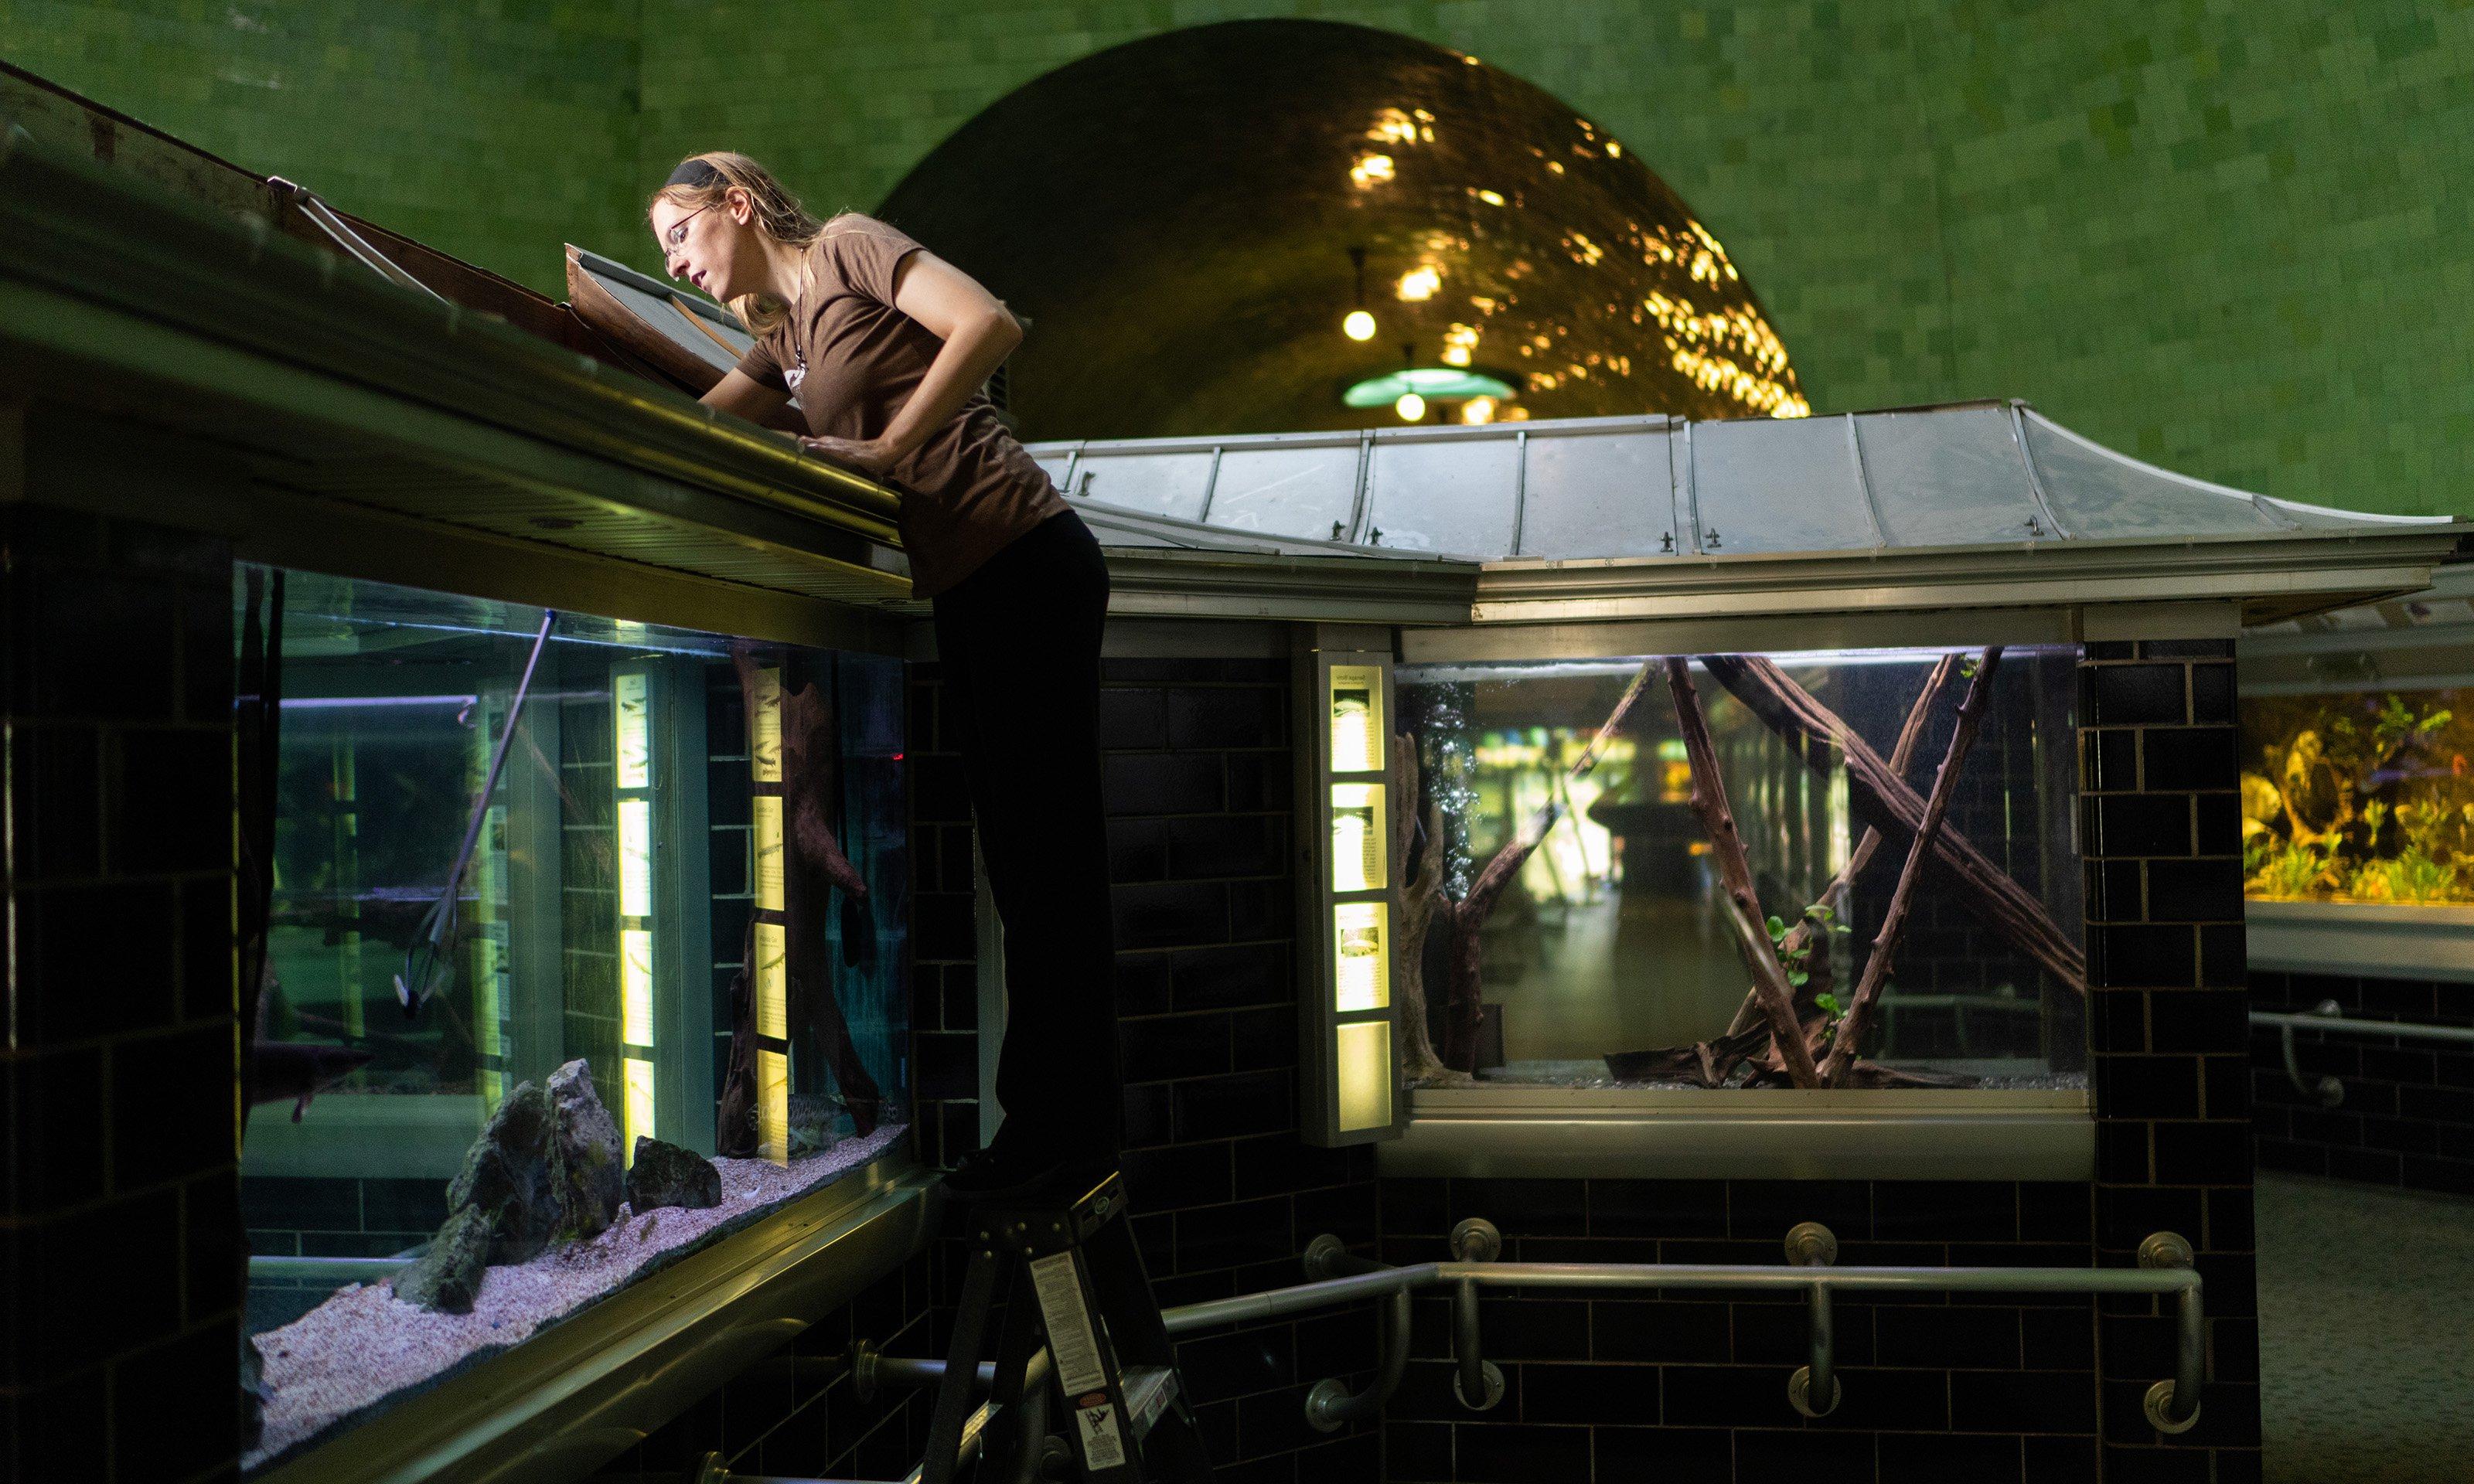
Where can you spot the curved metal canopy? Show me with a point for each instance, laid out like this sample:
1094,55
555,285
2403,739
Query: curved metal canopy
1915,478
1972,505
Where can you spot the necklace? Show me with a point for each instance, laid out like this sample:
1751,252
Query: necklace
798,353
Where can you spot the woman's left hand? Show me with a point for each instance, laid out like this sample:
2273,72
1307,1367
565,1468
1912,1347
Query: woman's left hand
870,456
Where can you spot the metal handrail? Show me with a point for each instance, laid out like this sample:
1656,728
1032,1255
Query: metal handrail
2329,1015
2165,1269
1330,1405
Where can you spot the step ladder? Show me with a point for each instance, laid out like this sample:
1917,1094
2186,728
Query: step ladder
1083,1356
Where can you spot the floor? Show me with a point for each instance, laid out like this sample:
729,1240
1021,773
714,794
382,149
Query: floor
2366,1333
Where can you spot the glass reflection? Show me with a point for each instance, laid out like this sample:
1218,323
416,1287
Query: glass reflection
1584,933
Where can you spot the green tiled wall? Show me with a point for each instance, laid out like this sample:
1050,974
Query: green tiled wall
2227,238
493,130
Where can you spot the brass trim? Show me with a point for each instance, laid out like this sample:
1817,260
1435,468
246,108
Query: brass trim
2315,569
304,532
2375,940
583,1392
1869,1134
1625,639
1173,583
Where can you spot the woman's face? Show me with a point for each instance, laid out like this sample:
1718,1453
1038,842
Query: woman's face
704,244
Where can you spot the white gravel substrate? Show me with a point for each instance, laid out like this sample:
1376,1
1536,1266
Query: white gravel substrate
364,1346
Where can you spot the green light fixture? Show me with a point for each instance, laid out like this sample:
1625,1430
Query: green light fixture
1429,383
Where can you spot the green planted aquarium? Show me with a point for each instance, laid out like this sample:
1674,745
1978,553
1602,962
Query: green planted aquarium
583,946
2358,796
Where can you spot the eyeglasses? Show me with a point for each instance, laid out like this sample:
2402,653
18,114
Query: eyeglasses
677,235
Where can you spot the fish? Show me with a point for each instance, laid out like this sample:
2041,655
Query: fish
297,1068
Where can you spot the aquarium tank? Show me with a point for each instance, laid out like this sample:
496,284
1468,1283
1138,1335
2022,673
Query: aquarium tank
1642,871
585,947
2358,796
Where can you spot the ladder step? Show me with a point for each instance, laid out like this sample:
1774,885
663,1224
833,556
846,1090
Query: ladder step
1149,1390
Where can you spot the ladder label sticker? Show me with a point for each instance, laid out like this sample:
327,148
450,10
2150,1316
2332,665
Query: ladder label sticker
1104,1445
1071,1343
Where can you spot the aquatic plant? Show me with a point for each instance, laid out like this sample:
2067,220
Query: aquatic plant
1832,1011
2365,750
2293,869
2323,774
1793,956
2380,785
2412,877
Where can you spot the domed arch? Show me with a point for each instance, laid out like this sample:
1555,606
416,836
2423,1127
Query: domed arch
1176,215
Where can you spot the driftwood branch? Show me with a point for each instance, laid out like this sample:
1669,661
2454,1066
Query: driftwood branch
1800,938
1467,917
1711,1063
1707,1064
1887,802
1877,967
1735,878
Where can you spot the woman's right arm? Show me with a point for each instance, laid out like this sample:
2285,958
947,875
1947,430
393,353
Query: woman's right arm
743,396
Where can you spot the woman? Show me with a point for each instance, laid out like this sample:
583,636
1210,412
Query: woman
885,347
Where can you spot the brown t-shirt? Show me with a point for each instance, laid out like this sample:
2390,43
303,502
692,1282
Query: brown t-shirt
853,360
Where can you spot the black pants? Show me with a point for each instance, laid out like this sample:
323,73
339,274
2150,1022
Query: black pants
1019,643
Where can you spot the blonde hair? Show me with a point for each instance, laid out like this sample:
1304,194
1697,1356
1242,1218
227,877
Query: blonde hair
774,211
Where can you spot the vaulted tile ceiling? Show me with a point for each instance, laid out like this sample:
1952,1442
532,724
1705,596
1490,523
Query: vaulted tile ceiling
1175,216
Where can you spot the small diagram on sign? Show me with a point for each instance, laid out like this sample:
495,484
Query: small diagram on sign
1104,1443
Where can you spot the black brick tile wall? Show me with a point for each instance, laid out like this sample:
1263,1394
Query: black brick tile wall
944,966
120,1265
1197,768
2406,1117
2173,1083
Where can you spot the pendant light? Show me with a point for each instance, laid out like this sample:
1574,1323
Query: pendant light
1358,323
1411,407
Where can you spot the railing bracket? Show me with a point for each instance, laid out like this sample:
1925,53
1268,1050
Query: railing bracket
1493,1388
1476,1240
2165,1250
2159,1406
1799,1393
1810,1244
